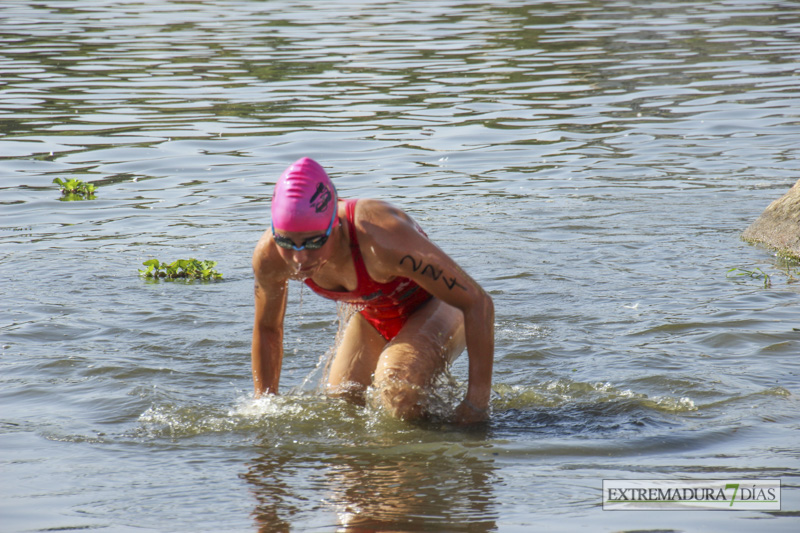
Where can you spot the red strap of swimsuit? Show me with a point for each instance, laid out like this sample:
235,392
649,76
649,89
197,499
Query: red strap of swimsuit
355,250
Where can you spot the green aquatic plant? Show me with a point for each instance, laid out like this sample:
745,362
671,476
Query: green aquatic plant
189,269
789,266
754,274
75,189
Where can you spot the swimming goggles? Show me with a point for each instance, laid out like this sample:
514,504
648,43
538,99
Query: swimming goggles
312,243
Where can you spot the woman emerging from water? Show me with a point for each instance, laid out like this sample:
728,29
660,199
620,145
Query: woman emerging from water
418,309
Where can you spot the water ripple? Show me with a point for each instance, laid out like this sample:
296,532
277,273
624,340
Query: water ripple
591,163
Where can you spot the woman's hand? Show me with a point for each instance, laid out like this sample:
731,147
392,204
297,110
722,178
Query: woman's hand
468,414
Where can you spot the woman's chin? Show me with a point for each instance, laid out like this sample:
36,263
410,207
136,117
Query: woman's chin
306,271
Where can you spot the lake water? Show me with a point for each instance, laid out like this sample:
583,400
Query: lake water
591,163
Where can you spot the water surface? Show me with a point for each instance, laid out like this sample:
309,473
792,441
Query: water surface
592,164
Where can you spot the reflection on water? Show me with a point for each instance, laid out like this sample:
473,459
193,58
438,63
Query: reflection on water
591,163
407,488
323,461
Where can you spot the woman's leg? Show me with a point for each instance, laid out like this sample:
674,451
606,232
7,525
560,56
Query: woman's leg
355,361
432,338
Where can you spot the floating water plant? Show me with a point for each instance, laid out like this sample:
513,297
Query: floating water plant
788,264
754,274
189,269
75,189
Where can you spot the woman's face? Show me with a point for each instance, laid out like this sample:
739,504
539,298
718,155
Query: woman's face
309,259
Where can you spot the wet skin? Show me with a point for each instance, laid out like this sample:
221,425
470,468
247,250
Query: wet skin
461,314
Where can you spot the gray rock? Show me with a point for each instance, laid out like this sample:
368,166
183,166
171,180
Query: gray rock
779,225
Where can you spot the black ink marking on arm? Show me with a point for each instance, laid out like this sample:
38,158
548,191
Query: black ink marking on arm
453,282
415,266
433,272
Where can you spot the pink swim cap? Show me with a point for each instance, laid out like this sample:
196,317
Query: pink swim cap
304,198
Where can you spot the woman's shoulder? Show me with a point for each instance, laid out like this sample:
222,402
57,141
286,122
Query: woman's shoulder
266,261
373,213
383,228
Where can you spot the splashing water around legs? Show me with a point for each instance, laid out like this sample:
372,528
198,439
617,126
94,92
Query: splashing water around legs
316,380
401,376
406,378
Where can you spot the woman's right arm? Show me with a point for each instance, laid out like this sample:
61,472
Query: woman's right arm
270,306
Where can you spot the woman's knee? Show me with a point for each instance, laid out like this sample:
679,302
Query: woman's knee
401,380
400,398
351,391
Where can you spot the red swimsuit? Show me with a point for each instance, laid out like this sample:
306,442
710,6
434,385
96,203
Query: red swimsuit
386,306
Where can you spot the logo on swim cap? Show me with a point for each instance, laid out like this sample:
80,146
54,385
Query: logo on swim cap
322,196
304,198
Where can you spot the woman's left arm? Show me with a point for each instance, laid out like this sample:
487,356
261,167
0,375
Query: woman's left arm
403,251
